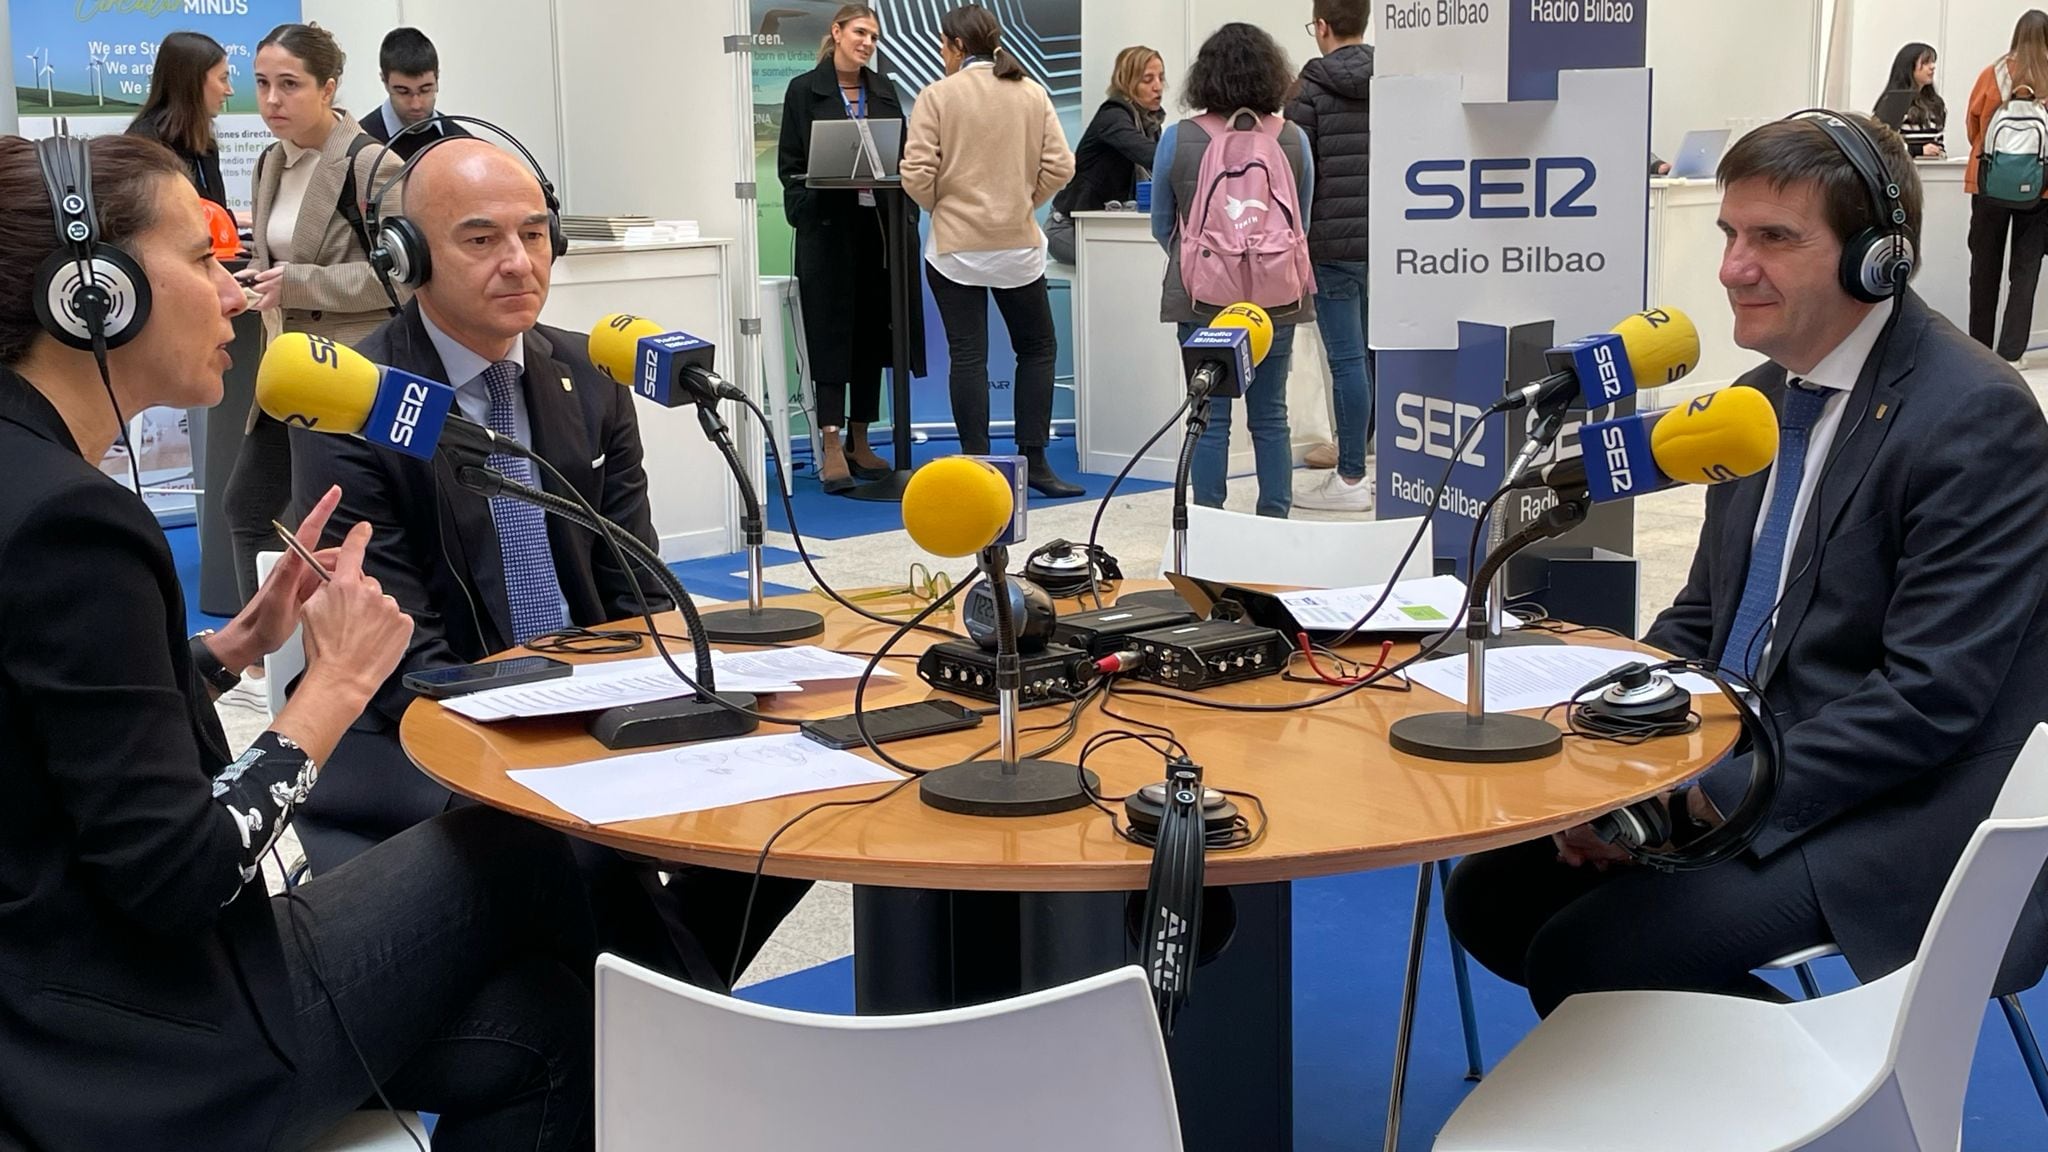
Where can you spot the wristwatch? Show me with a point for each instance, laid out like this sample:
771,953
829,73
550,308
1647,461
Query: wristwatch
216,674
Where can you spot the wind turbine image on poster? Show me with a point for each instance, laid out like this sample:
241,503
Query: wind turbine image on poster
39,61
97,63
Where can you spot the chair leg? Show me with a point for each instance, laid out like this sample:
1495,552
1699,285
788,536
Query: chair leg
1475,1064
1417,933
1807,983
2030,1051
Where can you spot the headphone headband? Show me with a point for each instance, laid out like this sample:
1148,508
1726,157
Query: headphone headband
401,254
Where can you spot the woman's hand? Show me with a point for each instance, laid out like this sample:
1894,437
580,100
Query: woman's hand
355,634
267,621
268,285
1932,148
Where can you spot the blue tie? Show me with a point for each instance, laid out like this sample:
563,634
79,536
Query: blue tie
1744,650
530,583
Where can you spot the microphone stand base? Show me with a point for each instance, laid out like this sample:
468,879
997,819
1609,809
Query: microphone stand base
768,626
1512,638
676,721
1494,738
983,788
888,490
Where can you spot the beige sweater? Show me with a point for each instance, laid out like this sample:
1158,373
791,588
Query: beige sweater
983,155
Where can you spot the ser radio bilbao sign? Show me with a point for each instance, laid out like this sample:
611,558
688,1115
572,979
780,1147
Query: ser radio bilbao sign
1507,213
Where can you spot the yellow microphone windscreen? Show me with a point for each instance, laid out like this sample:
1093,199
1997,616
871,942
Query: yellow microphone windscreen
615,345
1252,319
312,382
1723,435
1662,345
956,506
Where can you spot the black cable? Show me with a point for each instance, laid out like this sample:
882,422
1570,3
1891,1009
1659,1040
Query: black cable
1102,506
310,950
803,550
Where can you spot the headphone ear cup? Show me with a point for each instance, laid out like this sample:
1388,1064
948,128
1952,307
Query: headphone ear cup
402,255
63,296
558,240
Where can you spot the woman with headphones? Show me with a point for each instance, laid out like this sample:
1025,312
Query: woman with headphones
152,993
310,271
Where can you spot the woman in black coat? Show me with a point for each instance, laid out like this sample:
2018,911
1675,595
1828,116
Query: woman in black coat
1116,150
842,272
187,87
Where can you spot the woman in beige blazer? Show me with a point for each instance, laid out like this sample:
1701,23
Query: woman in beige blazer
310,271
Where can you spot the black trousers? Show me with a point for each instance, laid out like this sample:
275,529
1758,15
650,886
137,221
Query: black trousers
1990,224
1558,930
862,390
258,490
1027,313
459,954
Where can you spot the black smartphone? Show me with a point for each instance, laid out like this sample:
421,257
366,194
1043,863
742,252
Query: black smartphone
900,722
441,683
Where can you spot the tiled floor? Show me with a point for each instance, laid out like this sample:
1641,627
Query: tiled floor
821,928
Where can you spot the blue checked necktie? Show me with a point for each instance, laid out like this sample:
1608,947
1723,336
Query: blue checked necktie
530,582
1745,648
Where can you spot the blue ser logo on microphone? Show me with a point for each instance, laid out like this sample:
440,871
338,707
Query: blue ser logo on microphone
409,413
1496,188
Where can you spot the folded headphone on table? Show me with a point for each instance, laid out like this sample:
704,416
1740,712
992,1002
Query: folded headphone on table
399,252
1640,701
1879,260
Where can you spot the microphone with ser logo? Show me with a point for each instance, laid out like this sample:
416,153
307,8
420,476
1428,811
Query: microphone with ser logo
312,382
1651,348
1721,436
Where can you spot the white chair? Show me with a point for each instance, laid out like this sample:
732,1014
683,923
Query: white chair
372,1130
1877,1068
283,666
1079,1066
1245,549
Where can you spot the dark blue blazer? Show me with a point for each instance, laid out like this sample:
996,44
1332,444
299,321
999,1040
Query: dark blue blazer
1909,661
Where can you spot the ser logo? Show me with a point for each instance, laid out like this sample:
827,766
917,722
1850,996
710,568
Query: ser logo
1503,188
1610,375
409,411
1434,426
322,351
1614,447
650,373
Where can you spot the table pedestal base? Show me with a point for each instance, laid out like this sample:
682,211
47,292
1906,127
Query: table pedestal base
1232,1051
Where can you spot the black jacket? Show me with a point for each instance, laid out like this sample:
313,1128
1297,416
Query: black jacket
1909,660
1118,144
382,131
1333,105
839,257
137,1009
436,551
202,167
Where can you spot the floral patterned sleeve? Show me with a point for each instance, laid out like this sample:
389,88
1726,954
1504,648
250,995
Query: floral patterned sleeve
260,790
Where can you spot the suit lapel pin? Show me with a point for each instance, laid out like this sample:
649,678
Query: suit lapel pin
566,386
1881,409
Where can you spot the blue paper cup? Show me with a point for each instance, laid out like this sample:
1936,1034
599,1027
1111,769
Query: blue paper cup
1144,195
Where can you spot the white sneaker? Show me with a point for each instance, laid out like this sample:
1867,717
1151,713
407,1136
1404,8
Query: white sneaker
1333,493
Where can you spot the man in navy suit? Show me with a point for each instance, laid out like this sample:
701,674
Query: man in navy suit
483,576
1883,582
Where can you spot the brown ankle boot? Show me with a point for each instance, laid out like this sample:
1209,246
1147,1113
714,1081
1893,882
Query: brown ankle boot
865,463
831,461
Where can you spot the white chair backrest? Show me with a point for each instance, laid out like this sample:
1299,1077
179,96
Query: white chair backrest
1240,549
1943,1005
1071,1067
283,666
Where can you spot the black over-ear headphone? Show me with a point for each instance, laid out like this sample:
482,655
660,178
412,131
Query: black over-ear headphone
89,295
1879,260
400,254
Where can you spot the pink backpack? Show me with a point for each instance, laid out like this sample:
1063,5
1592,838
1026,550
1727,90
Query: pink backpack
1243,238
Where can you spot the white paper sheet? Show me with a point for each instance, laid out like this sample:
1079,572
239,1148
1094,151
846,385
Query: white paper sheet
595,687
1537,677
698,776
1414,607
793,665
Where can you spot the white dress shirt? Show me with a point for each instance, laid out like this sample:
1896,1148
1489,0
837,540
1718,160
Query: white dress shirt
1836,373
466,373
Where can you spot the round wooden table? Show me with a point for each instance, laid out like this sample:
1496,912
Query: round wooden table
1338,799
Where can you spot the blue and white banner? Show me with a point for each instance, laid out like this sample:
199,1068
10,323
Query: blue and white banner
1507,50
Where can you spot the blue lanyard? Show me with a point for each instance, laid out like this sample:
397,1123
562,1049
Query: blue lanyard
860,111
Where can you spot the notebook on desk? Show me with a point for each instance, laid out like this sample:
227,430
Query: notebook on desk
1700,153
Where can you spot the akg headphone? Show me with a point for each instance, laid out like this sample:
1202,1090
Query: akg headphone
400,254
89,295
1879,260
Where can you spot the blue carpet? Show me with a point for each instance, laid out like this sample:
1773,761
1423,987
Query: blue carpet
711,577
1350,941
826,517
